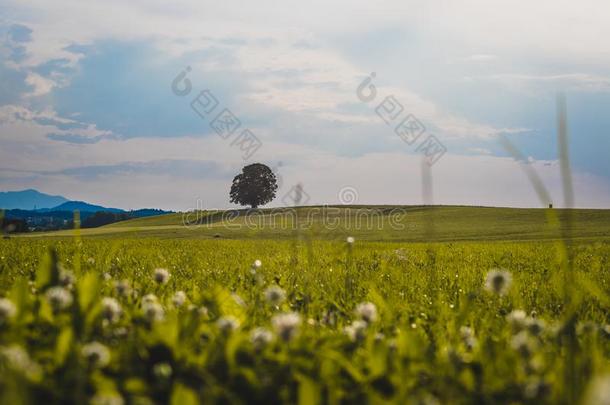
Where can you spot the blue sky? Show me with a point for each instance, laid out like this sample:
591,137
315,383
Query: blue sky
87,109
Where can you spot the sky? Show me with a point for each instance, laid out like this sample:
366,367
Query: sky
124,104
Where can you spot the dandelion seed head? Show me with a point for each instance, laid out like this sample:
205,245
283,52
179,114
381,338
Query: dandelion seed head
149,299
161,276
111,309
286,325
523,344
7,309
260,338
517,319
179,299
122,288
257,264
356,331
19,360
59,298
350,240
498,281
367,311
96,354
153,311
66,278
227,324
275,295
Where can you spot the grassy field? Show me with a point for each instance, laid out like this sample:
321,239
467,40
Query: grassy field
377,223
498,310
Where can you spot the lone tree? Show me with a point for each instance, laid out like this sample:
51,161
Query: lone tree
255,185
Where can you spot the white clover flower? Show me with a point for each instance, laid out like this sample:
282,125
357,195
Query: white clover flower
260,338
96,354
161,276
111,309
153,311
227,324
122,288
59,298
350,240
356,331
367,311
7,310
286,325
517,319
257,264
179,298
498,281
275,295
107,399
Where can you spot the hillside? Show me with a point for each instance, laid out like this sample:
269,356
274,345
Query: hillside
376,223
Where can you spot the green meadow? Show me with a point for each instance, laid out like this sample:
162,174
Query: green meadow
421,305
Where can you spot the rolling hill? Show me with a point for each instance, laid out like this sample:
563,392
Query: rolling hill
375,223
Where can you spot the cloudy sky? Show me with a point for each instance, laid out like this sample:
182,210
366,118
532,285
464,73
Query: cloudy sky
87,108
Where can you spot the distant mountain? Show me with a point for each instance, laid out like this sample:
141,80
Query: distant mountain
82,207
29,200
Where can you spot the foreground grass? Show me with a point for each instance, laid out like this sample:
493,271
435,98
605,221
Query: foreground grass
439,336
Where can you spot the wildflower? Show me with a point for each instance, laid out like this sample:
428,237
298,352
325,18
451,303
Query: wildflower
350,240
161,276
275,295
59,298
162,370
19,360
260,337
111,309
202,311
107,276
523,344
517,319
107,399
498,281
535,326
367,311
153,311
468,337
356,331
122,288
179,298
286,325
7,310
227,324
66,278
586,328
257,264
96,354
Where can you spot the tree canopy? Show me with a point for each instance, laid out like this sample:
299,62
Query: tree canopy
254,186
